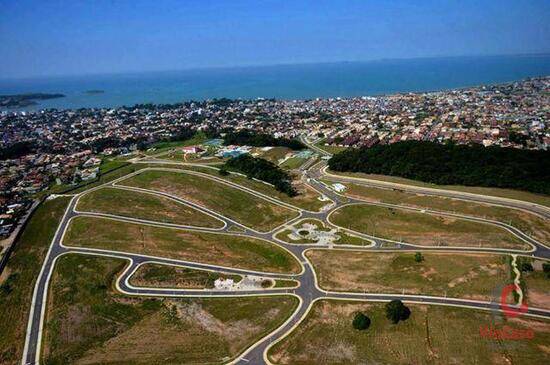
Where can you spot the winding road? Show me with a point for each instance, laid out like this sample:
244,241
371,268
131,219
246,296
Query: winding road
308,290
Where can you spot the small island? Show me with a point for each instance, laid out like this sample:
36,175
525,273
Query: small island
22,100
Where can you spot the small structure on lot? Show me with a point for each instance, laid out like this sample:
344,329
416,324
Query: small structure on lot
224,284
339,187
192,149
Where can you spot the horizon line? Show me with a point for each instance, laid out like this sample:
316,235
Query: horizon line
282,64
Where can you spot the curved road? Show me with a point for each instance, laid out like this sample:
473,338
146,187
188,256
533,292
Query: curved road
308,290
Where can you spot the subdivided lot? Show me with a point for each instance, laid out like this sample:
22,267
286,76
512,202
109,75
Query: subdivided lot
498,192
19,276
537,286
241,206
307,198
166,276
144,206
87,322
527,222
432,335
209,248
422,228
459,275
312,231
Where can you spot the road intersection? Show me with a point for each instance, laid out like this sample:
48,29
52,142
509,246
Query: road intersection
308,290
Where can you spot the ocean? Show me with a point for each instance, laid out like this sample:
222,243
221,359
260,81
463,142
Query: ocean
305,81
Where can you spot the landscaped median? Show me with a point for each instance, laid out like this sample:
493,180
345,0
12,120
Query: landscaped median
475,276
87,321
246,208
209,248
432,334
314,231
420,228
146,206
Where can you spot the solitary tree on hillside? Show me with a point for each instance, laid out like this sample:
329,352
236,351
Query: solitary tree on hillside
418,257
397,311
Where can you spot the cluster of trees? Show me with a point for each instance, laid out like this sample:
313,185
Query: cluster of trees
261,169
451,164
395,311
16,150
248,138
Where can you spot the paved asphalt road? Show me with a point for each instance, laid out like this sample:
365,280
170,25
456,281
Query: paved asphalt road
307,291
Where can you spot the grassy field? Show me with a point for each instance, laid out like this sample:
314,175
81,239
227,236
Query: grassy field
293,163
210,248
537,287
472,276
307,197
330,149
432,335
166,276
236,204
19,276
275,154
286,284
88,323
161,147
144,206
345,239
529,223
423,229
503,193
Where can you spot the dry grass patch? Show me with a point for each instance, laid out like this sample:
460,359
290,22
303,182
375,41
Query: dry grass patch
231,202
422,228
472,276
432,335
144,206
537,286
527,222
88,323
216,249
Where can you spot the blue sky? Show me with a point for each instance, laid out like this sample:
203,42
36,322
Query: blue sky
53,37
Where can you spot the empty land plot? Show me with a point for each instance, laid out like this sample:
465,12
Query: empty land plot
422,228
88,323
226,200
432,335
498,192
293,163
167,276
527,222
275,154
210,248
537,286
307,198
144,206
471,276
